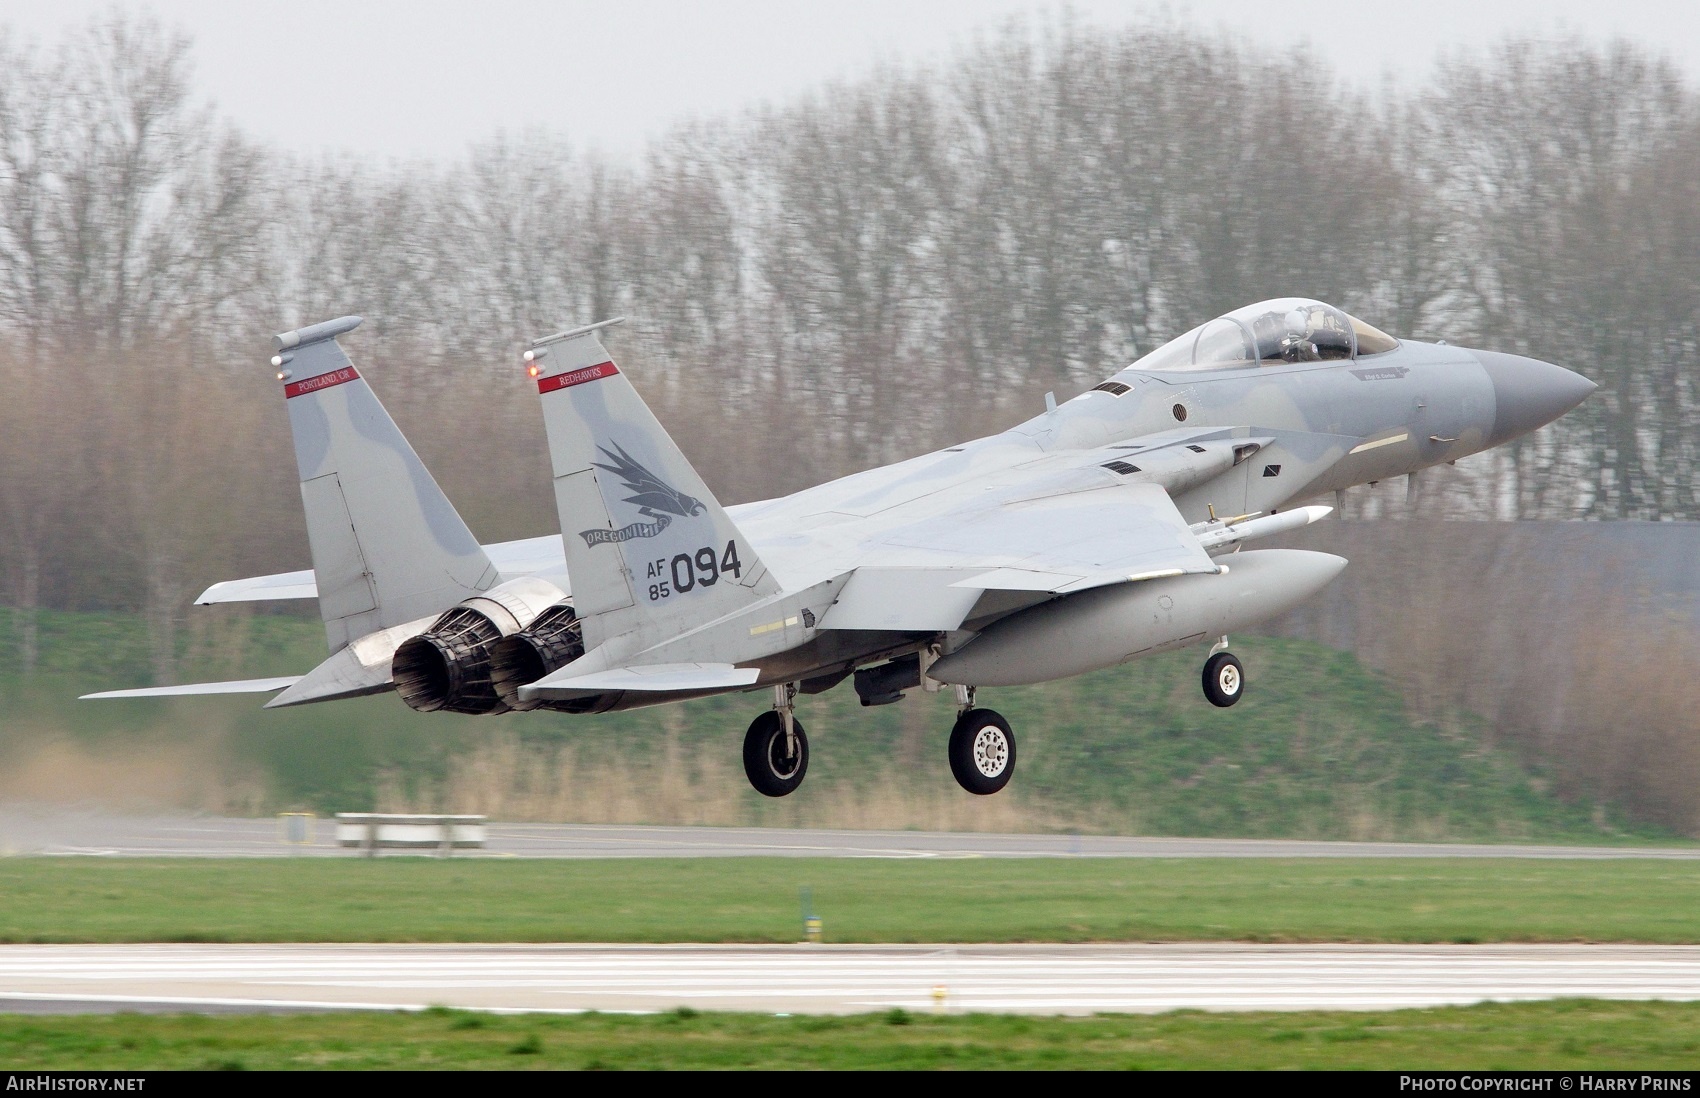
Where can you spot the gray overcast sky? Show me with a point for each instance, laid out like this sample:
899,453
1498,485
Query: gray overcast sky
425,77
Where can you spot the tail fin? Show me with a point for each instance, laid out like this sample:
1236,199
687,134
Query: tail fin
388,547
647,545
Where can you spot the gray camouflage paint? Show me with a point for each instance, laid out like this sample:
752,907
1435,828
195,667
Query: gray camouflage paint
389,543
950,515
1029,522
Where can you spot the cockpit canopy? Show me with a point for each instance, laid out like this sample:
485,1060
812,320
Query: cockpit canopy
1278,332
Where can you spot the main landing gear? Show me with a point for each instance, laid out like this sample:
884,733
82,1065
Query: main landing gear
1224,676
982,747
776,752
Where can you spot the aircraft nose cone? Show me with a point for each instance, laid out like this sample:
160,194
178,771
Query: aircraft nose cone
1529,393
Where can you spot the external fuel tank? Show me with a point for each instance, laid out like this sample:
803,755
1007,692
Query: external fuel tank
1111,625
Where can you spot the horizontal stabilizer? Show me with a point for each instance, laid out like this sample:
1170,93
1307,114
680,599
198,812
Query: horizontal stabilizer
284,585
361,668
511,558
654,677
239,686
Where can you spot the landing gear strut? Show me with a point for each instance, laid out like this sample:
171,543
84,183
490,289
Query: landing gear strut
982,747
776,752
1224,677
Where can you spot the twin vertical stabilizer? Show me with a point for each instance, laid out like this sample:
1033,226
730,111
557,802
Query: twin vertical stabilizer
388,547
647,545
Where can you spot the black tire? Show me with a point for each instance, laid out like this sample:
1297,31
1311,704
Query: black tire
765,761
1224,679
982,752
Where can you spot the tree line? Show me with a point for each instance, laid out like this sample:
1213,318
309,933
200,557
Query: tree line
881,266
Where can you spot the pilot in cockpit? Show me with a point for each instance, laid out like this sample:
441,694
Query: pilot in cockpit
1303,333
1270,333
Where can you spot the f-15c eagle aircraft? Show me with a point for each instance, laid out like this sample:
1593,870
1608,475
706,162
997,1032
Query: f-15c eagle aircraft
1106,529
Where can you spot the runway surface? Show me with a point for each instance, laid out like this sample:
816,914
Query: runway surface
833,979
54,831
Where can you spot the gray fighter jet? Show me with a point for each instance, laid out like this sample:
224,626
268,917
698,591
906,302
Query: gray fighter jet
1106,529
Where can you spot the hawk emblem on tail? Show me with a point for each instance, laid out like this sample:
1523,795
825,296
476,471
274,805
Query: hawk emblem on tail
654,498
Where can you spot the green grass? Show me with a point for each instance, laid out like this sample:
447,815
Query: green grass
411,899
1568,1034
1319,748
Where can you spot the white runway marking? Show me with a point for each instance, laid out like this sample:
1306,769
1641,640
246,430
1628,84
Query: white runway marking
840,979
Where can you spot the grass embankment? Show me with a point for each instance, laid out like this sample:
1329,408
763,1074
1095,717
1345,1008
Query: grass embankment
1549,1036
756,900
1319,748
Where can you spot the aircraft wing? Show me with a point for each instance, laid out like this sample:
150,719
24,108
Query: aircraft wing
511,558
929,574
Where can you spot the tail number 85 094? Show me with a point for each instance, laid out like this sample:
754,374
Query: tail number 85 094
688,571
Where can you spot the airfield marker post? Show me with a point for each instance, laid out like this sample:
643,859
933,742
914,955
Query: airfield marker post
297,827
811,921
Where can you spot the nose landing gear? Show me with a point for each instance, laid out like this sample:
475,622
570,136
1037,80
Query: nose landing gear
1224,676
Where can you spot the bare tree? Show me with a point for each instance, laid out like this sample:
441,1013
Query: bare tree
1543,142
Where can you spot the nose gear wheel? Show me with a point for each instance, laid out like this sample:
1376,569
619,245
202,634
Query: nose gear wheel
982,751
1224,679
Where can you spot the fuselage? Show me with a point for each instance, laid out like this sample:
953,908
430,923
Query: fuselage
1335,425
1092,534
1321,427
